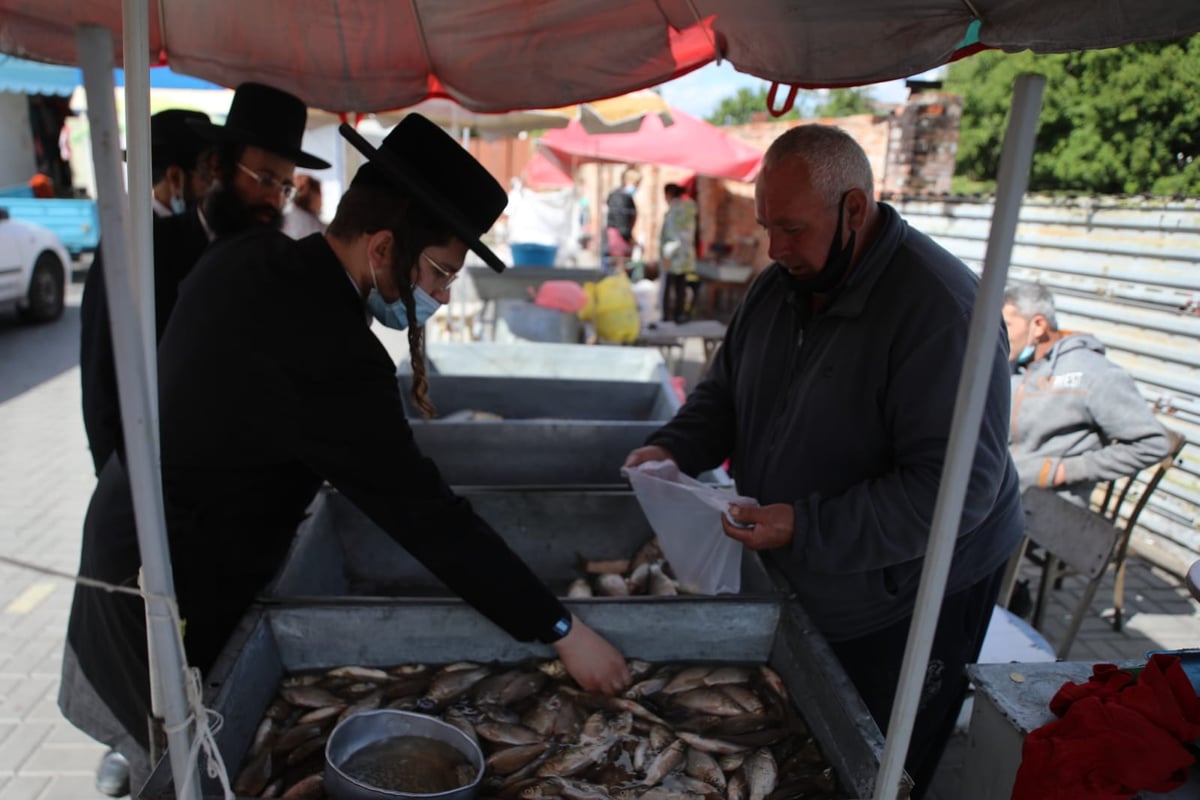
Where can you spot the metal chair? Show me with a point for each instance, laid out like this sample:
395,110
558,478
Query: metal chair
1080,540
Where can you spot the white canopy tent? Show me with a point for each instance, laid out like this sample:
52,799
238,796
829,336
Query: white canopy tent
504,55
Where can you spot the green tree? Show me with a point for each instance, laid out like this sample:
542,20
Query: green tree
1118,121
844,103
738,109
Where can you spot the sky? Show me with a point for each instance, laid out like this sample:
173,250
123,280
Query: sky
699,92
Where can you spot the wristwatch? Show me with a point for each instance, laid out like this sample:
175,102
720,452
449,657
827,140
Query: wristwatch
560,629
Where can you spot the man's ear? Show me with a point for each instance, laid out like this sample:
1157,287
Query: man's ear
1039,327
855,210
379,246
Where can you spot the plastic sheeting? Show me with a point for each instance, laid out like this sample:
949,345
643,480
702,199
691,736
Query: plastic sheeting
689,143
501,55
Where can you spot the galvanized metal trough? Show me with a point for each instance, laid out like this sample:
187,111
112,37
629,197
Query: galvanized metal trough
339,552
272,641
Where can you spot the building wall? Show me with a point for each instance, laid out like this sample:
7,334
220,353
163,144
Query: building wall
16,142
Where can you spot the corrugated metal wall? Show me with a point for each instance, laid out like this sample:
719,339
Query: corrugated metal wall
1127,271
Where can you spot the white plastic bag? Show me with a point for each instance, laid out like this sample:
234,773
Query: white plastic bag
686,516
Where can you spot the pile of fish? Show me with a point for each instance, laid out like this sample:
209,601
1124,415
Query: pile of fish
681,732
646,573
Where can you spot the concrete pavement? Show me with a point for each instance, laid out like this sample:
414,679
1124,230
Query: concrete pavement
45,483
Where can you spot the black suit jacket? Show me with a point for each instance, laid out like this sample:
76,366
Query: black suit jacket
179,242
271,381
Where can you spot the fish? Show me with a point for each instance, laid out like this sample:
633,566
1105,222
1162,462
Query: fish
573,760
504,733
595,728
686,680
579,588
511,759
730,761
744,697
662,793
648,553
737,725
274,789
665,762
490,689
610,585
279,710
254,776
302,679
639,579
448,685
639,669
305,750
709,701
458,718
407,703
641,752
773,681
525,685
660,736
722,676
319,715
579,790
409,670
683,782
545,787
553,669
406,685
359,674
703,766
646,688
714,746
292,738
736,788
310,788
368,703
660,584
542,716
310,697
761,774
266,732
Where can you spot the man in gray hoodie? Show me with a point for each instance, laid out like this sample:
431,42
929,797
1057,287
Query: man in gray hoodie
1077,418
832,396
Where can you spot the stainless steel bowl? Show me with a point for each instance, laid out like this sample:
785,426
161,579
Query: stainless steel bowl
368,727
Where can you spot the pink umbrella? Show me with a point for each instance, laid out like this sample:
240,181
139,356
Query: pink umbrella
690,143
542,173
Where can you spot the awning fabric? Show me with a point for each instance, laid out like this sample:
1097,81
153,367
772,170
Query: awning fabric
689,143
503,55
19,76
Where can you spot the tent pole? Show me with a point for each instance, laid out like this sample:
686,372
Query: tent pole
137,165
1012,180
134,384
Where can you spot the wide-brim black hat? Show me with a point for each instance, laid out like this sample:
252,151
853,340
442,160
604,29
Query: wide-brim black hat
427,164
173,141
265,117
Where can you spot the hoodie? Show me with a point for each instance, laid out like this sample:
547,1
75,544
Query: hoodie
1076,408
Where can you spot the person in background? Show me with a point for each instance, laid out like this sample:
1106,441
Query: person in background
832,396
1077,418
677,252
42,187
179,165
303,216
257,151
271,384
617,245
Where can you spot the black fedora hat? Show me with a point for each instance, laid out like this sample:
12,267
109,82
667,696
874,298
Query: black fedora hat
265,117
426,163
173,141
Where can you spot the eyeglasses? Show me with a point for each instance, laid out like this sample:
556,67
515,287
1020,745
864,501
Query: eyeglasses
285,188
448,276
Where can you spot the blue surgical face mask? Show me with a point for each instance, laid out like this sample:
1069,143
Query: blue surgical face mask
178,206
395,315
631,190
1026,355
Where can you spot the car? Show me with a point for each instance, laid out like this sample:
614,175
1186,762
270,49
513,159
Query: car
33,269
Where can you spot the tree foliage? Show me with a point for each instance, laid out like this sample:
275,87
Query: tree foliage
741,107
1118,121
843,103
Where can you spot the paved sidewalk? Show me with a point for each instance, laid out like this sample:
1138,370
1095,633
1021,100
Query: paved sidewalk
44,489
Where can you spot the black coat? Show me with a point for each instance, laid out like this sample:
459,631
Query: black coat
179,241
270,382
622,213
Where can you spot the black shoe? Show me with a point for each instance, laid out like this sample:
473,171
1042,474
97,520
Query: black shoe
112,776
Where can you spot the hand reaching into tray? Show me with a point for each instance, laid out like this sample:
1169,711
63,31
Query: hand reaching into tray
648,453
595,664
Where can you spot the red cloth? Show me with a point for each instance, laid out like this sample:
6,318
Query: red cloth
1119,734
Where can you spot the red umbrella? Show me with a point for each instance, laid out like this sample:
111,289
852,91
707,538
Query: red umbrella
690,143
542,173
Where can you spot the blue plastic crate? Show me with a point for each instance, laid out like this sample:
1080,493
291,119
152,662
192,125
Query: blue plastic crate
533,255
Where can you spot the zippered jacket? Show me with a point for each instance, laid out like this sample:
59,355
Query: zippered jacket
846,414
1076,408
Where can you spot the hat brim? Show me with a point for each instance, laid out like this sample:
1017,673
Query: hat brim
224,133
424,194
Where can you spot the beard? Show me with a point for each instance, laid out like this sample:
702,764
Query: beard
228,214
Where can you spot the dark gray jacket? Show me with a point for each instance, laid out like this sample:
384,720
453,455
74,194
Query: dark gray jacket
846,415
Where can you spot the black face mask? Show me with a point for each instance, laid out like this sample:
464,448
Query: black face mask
837,263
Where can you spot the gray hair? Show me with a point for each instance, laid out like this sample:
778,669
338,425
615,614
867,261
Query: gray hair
836,163
1031,300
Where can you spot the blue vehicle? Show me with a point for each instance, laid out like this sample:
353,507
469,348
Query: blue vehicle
76,222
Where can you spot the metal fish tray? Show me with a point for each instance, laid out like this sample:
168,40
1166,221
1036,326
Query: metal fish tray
272,641
339,552
578,453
